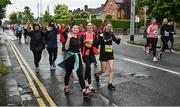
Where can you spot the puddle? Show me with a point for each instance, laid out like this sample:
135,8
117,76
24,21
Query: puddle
26,97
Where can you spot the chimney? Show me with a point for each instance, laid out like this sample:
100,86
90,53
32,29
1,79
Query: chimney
85,7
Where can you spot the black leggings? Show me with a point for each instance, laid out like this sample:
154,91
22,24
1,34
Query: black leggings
147,42
153,42
87,61
52,55
171,39
19,35
37,57
69,67
165,44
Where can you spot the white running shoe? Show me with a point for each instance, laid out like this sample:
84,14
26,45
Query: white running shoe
155,59
52,68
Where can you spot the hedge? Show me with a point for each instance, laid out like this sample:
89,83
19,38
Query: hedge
116,23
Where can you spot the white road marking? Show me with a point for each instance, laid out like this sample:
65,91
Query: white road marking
152,66
107,101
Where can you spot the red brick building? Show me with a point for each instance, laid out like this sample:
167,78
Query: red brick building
118,9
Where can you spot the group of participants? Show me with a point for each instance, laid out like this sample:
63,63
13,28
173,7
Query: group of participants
80,45
165,32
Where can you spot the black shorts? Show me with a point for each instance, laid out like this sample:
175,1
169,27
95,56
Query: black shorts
105,58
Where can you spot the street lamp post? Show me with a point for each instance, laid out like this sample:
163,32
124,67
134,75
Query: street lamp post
38,10
132,23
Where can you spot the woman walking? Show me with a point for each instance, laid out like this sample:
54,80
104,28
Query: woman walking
51,44
36,44
88,43
106,53
73,62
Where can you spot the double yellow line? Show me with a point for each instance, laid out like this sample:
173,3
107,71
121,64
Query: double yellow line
29,73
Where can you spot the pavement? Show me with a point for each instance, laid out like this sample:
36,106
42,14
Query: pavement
140,40
138,80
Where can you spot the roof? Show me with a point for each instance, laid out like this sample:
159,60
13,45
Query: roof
95,11
119,1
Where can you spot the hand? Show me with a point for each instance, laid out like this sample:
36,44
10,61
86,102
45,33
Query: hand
101,35
120,36
48,29
70,35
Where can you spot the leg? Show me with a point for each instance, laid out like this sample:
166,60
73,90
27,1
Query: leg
147,43
39,56
111,74
111,70
50,56
172,42
153,43
103,69
35,53
164,47
55,50
88,69
81,79
69,66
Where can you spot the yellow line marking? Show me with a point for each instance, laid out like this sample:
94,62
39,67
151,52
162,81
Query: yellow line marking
42,88
41,102
34,89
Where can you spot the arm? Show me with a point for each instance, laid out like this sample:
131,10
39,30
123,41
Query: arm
67,44
162,30
116,40
101,26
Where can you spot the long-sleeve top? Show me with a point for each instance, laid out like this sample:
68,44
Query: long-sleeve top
37,40
164,31
106,41
51,38
153,31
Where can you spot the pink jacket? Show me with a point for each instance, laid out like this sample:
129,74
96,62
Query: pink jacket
153,31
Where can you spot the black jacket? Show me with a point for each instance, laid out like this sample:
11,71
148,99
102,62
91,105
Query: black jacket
164,28
37,41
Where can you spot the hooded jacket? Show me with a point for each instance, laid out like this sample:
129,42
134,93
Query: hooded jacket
37,40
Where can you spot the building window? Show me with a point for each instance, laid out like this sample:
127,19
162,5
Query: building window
113,14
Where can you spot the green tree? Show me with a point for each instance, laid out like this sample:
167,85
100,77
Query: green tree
13,17
62,12
3,4
28,15
22,17
47,17
161,8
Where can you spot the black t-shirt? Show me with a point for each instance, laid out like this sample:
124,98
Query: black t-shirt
75,45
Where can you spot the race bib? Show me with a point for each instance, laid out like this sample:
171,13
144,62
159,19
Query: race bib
156,33
108,48
166,33
88,44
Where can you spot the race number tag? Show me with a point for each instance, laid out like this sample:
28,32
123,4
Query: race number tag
108,48
166,33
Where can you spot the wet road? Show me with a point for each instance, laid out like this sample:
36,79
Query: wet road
139,81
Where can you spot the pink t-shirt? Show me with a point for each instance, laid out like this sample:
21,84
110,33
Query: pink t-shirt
153,31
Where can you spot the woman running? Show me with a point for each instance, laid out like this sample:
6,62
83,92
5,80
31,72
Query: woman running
152,32
165,28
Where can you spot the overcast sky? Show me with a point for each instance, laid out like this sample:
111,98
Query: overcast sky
18,5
